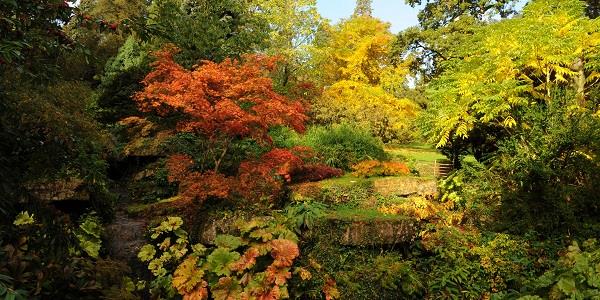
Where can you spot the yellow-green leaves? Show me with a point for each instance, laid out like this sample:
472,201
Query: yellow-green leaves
147,253
229,241
387,117
170,245
506,65
24,218
188,277
172,224
234,269
89,235
220,260
293,26
356,49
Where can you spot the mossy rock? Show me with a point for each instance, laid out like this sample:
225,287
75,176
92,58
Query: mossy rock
143,137
384,232
147,146
367,230
336,191
60,190
216,223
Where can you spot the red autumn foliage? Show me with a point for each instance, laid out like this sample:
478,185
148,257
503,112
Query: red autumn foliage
228,99
315,172
304,152
179,167
266,176
284,252
277,276
258,179
202,186
195,185
263,177
247,261
223,102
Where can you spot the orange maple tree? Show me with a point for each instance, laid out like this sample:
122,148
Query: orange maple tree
222,102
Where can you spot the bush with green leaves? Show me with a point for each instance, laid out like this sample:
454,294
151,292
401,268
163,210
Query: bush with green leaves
576,274
550,170
463,263
354,272
34,266
473,189
284,137
543,178
304,215
337,145
343,145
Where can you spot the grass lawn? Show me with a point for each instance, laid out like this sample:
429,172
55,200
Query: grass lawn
417,154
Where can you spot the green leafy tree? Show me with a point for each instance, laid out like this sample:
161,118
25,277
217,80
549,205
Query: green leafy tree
31,36
293,26
208,30
100,27
443,25
439,13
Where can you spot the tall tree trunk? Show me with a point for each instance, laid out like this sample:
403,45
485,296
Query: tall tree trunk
579,81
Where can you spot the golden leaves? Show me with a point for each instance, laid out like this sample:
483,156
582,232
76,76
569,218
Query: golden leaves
351,101
370,168
187,279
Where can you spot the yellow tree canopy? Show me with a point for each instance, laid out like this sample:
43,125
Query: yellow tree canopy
356,49
361,82
388,117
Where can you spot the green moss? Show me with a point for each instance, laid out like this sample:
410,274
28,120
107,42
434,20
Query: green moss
346,180
392,199
138,209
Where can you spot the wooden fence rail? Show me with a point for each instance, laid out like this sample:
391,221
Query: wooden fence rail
438,168
441,168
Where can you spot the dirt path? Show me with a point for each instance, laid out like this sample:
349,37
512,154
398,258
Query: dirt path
126,233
